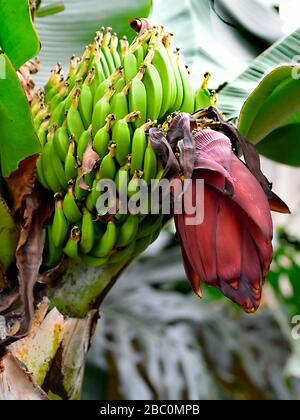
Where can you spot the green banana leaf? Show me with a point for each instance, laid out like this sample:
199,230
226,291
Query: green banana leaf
18,139
9,235
270,114
233,95
68,32
18,37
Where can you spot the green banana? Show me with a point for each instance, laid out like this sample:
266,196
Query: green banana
42,132
40,173
58,114
139,54
41,117
86,99
70,161
150,224
74,121
139,145
73,67
51,166
188,104
93,261
114,50
164,67
93,196
203,96
122,178
106,50
174,57
119,103
59,97
122,136
134,184
87,232
60,226
70,208
71,249
83,142
37,101
105,245
124,44
150,165
123,256
138,97
104,87
128,231
154,91
101,110
80,193
102,137
130,66
54,254
108,164
61,142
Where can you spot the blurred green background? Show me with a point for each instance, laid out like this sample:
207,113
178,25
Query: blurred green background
155,339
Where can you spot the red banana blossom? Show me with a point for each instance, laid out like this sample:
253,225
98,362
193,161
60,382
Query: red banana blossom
232,248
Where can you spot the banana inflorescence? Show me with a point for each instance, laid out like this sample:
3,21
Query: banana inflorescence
105,107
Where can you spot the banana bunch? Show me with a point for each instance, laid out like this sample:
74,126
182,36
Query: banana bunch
105,106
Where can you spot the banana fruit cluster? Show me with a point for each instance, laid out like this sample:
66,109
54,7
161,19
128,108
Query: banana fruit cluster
110,99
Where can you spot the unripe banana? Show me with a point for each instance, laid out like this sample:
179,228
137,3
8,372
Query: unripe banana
42,115
102,137
149,225
106,84
139,145
87,232
58,114
122,136
114,50
74,121
174,57
38,99
73,67
40,173
139,54
106,50
150,165
53,253
130,66
123,256
164,67
108,164
70,98
93,196
42,132
60,224
154,91
80,193
138,97
70,162
59,97
71,249
83,142
71,209
119,103
61,142
93,261
86,101
52,168
124,44
203,96
128,231
106,244
99,76
101,110
188,104
134,184
122,178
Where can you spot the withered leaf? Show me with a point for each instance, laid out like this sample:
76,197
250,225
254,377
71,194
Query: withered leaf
30,252
21,182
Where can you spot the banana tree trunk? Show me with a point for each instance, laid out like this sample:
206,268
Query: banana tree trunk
49,362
